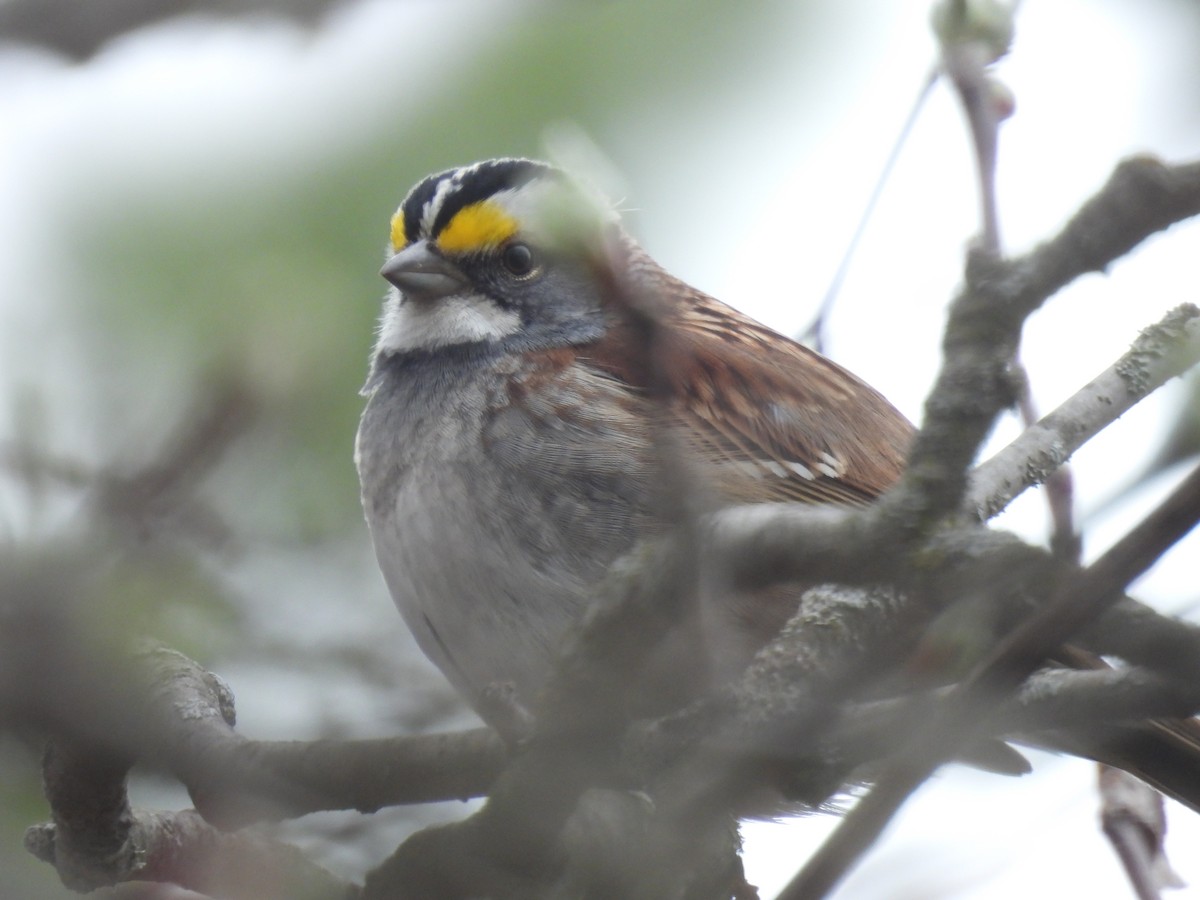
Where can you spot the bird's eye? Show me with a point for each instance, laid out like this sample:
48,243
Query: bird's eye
519,260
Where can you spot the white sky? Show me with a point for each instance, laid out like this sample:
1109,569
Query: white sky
1086,77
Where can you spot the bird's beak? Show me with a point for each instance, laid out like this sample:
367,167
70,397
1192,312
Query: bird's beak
422,274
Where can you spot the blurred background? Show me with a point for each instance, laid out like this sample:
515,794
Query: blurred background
192,217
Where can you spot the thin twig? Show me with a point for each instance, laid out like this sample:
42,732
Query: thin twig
1065,541
986,104
966,64
1135,823
814,333
1161,352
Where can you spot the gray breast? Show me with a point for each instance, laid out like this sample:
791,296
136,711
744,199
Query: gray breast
494,520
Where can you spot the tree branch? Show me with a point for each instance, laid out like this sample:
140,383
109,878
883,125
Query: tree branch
96,840
181,848
1142,197
1161,352
960,720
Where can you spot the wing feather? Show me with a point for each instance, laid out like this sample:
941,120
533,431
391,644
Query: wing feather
766,418
746,394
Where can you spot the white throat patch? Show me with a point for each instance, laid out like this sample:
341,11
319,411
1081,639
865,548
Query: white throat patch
458,319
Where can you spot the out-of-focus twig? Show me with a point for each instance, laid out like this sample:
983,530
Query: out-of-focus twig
973,36
162,491
157,498
182,848
79,30
1135,822
102,720
1141,635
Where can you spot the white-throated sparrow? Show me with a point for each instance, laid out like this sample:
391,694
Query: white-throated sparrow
506,451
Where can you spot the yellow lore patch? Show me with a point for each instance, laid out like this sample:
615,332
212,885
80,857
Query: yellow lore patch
476,227
398,237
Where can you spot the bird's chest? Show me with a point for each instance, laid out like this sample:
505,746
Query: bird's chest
493,524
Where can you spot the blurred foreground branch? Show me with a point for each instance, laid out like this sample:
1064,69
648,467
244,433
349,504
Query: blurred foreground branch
602,793
79,30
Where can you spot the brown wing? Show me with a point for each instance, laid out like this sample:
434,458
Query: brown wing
767,418
775,419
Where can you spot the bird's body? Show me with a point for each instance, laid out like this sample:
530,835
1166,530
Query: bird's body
511,450
507,452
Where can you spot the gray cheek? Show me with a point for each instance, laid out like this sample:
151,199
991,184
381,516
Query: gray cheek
561,310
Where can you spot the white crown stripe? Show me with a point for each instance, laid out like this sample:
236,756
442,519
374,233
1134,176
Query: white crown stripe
434,205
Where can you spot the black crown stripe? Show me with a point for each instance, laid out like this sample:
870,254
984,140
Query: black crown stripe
416,200
475,183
